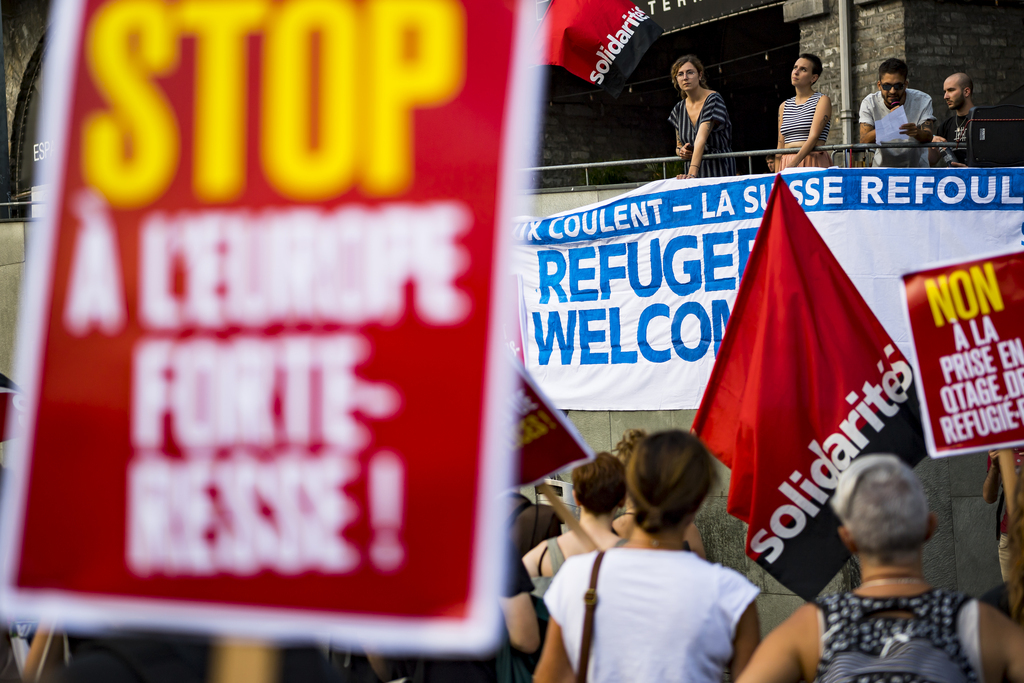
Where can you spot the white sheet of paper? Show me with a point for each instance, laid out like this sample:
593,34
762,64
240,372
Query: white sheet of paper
888,128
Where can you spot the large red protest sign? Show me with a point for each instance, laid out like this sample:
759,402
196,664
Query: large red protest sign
967,323
260,338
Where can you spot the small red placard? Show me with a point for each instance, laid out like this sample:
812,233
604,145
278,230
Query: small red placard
967,322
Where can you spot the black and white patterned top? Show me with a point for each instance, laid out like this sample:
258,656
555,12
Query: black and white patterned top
719,141
861,648
798,119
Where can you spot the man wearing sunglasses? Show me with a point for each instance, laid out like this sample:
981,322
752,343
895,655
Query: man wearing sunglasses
893,93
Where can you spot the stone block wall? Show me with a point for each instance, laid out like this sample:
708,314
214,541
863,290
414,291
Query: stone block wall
819,36
935,38
984,42
24,24
587,130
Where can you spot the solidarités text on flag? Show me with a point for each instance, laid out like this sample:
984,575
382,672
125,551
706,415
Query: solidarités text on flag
806,380
601,41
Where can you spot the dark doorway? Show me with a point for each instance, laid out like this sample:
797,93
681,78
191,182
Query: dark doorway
748,58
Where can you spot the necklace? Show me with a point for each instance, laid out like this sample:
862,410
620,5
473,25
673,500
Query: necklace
889,582
960,127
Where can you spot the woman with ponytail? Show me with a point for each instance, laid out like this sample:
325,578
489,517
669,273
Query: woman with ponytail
661,614
624,523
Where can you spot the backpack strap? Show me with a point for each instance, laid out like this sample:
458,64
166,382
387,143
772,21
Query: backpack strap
590,600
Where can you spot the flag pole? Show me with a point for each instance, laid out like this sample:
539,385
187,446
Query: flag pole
242,661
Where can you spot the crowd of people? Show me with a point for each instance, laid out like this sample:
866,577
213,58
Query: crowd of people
644,606
702,124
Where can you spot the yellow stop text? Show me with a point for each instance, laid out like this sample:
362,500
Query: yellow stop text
339,82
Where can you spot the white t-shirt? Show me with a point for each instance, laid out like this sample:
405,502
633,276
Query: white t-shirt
661,615
918,108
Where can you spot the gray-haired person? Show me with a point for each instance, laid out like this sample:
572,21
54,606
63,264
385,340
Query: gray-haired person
894,626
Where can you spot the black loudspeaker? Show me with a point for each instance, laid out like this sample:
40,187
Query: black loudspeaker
996,136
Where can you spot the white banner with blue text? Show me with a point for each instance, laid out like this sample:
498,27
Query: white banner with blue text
626,300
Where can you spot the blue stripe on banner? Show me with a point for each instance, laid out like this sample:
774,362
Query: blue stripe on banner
997,189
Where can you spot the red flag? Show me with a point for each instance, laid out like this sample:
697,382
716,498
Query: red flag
547,441
806,380
601,41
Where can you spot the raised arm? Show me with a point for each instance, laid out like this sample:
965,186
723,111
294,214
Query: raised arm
822,114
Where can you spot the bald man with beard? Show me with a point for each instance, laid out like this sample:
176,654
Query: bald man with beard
957,91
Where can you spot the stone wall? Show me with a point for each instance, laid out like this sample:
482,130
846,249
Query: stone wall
935,38
984,42
24,24
819,35
588,130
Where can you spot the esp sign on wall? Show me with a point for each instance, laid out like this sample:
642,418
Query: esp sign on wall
967,321
258,329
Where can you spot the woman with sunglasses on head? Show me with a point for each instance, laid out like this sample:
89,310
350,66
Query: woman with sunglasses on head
701,122
805,118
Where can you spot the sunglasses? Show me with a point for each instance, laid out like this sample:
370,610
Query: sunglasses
892,86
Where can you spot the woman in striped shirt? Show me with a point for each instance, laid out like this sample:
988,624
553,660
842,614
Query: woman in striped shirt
701,121
804,119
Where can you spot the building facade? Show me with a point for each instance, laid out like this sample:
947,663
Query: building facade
749,56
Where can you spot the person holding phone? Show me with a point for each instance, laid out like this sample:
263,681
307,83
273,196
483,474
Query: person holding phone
701,122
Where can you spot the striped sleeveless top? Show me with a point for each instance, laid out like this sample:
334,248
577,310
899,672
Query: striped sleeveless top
798,118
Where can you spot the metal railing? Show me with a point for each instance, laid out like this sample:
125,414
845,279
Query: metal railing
664,161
